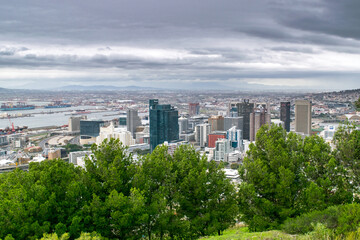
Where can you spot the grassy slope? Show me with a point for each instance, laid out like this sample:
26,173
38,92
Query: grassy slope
242,233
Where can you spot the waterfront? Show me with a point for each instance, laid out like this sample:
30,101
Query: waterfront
56,117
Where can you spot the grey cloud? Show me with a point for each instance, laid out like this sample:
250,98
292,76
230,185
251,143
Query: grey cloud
331,17
236,31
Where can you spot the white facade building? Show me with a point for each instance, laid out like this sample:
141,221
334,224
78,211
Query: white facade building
183,125
235,136
222,149
201,134
125,137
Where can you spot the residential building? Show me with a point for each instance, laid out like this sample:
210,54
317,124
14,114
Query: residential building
222,148
201,134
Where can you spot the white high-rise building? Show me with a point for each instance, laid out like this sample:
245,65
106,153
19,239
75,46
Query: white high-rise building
201,134
117,133
222,148
183,125
235,137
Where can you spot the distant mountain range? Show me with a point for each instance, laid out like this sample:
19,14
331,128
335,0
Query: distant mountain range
102,88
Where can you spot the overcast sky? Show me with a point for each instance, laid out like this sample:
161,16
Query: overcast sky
235,44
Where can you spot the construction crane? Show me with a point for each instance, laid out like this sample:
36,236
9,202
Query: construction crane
11,124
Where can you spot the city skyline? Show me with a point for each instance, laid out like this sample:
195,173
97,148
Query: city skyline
234,44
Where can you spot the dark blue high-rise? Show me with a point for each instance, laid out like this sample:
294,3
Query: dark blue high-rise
164,125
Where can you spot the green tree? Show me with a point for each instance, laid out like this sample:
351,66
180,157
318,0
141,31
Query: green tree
72,148
185,196
206,198
284,176
156,178
110,168
357,104
347,152
35,202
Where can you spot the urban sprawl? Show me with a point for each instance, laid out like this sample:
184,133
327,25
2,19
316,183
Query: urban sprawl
220,125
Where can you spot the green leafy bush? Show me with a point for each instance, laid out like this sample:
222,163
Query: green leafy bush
342,219
307,222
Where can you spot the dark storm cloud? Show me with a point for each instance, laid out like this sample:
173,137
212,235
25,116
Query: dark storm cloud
331,17
158,40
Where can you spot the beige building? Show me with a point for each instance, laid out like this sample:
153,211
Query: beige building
260,116
74,123
54,154
117,133
216,123
303,116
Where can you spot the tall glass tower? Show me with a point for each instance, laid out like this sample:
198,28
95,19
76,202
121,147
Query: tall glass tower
164,125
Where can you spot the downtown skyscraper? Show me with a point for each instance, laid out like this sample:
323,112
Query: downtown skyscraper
164,125
244,110
285,114
303,116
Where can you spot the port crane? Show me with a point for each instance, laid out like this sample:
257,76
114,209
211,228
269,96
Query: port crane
12,125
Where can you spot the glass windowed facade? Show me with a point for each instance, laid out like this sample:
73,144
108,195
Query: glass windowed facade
90,128
164,124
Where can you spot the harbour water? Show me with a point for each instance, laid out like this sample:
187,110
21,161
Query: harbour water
55,117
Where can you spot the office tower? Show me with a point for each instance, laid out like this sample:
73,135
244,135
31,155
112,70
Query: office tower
89,130
235,137
164,124
122,121
194,109
260,116
303,117
183,125
230,122
285,114
233,112
74,124
214,136
222,148
217,123
201,134
244,110
132,121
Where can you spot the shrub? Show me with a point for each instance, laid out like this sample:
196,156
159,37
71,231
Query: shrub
307,222
349,219
320,232
234,166
342,218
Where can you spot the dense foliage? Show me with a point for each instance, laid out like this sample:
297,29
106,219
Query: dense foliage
284,176
357,104
342,219
183,196
162,196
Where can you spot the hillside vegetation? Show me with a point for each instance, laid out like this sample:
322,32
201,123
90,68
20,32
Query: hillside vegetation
298,185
